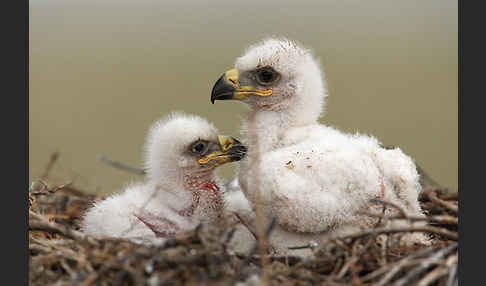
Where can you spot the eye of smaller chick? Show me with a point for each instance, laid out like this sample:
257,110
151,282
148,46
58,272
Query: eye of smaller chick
266,75
200,147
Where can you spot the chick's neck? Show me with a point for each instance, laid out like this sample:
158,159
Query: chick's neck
200,184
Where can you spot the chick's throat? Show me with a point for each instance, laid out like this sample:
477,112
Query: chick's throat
202,186
196,180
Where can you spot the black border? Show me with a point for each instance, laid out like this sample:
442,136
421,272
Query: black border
15,84
15,92
471,150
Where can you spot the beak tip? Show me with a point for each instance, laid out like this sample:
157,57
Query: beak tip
222,90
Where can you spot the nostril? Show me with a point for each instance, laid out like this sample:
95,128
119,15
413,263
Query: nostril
227,145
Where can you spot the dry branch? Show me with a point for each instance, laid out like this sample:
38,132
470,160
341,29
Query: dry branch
50,165
192,258
440,219
37,222
450,206
427,229
121,166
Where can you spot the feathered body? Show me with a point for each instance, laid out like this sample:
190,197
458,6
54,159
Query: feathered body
177,195
313,178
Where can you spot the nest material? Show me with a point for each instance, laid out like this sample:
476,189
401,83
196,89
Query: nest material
62,255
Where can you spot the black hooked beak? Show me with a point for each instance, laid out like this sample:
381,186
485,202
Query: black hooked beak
228,150
222,90
237,151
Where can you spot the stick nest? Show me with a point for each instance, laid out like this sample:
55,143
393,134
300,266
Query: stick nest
62,255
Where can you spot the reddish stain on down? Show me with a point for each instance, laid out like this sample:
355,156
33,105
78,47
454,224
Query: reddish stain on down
196,196
382,194
163,227
215,196
196,183
211,186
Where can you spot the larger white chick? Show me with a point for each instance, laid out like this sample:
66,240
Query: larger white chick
315,179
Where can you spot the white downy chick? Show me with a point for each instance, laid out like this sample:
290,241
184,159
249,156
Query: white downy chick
313,178
181,188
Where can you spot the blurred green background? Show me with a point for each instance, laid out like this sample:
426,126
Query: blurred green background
102,71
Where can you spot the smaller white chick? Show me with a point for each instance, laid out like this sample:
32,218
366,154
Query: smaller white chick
181,189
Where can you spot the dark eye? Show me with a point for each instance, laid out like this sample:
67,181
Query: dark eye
199,147
266,76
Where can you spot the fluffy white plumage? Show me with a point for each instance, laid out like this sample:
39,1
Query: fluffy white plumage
313,178
178,193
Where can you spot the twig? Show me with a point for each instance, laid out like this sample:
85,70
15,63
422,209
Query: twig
429,229
50,164
267,232
37,222
310,259
312,245
243,222
346,266
404,261
227,239
450,196
438,272
385,279
95,275
55,228
433,197
45,189
425,264
340,243
425,179
378,223
432,276
386,203
254,249
102,158
355,254
59,248
259,211
383,250
183,238
452,280
441,219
